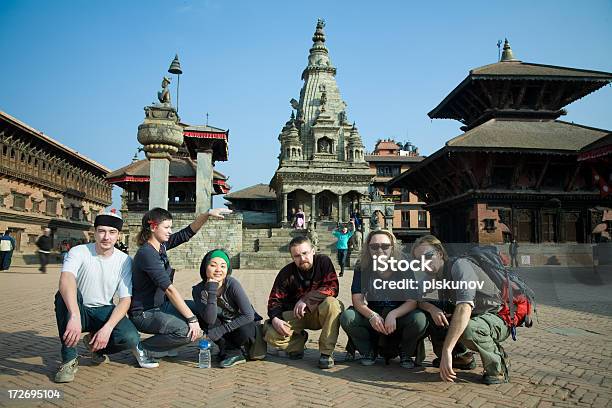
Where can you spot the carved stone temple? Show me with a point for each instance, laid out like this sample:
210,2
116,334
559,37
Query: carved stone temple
321,164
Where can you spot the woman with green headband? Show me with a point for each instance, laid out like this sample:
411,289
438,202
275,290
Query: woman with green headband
224,310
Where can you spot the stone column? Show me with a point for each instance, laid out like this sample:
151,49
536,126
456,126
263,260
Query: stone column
340,207
284,214
158,190
204,180
161,137
313,210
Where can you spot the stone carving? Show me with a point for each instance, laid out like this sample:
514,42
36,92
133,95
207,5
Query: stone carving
374,222
294,104
164,94
388,211
323,99
313,236
357,240
323,145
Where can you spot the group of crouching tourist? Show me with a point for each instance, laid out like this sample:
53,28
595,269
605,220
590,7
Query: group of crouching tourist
380,323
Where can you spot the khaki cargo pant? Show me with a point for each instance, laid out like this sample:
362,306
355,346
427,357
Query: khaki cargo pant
325,318
484,334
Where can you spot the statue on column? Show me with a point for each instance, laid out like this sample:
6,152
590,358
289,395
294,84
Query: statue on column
164,94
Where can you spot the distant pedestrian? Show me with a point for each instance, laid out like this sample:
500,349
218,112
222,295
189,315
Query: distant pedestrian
44,244
343,235
514,253
7,246
300,219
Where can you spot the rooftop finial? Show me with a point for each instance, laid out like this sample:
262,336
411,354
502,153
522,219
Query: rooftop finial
507,55
319,35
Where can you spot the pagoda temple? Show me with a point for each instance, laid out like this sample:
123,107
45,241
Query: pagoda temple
322,168
514,173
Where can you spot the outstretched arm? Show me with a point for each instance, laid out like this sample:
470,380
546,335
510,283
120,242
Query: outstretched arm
216,213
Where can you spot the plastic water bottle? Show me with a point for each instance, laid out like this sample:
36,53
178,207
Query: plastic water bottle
204,355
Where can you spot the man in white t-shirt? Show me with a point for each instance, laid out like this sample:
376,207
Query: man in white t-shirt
91,275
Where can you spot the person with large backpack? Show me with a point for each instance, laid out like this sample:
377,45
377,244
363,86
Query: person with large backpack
489,303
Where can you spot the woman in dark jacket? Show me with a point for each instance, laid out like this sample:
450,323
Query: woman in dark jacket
157,306
224,310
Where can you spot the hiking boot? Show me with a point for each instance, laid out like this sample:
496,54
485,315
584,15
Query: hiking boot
232,361
143,358
67,370
406,361
97,358
326,361
466,362
489,379
368,358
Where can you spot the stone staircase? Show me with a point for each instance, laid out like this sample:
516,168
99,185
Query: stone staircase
268,248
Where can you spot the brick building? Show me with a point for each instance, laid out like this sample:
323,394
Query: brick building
46,184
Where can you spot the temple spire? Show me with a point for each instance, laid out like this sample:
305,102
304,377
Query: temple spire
319,56
507,55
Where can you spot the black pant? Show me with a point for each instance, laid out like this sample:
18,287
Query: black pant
44,260
232,342
342,258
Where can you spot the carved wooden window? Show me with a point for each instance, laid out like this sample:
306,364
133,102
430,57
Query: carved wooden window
571,224
405,218
525,226
549,227
76,214
35,206
422,219
51,206
19,202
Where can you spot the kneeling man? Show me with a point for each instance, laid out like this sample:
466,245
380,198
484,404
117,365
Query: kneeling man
304,297
91,275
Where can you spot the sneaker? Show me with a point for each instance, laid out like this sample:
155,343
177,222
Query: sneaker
143,358
368,359
66,371
406,361
466,362
96,357
326,361
232,361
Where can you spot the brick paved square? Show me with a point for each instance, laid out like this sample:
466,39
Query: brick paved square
565,360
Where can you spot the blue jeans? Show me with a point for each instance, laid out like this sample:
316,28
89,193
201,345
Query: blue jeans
123,337
169,327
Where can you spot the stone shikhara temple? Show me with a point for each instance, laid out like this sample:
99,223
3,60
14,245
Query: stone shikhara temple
322,168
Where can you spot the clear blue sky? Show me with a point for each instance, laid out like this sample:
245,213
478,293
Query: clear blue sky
82,71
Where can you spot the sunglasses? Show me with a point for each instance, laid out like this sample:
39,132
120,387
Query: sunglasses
376,247
429,254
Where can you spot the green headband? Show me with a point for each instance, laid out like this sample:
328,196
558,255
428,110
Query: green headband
217,253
